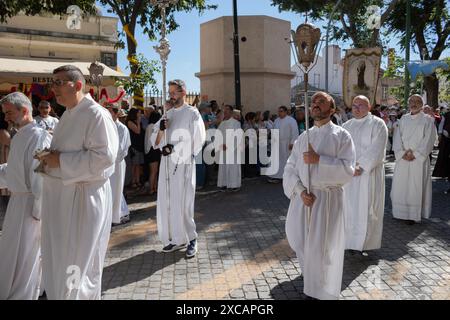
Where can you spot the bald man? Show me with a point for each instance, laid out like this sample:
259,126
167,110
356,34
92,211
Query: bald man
364,195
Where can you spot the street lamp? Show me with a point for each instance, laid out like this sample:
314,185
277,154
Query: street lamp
96,76
164,47
306,40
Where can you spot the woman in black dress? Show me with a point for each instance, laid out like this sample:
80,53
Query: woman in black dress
153,155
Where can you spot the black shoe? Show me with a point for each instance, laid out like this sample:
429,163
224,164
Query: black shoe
410,222
191,249
447,192
173,247
125,219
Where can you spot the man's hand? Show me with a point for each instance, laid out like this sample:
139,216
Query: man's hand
290,147
224,147
164,124
308,198
311,157
409,155
358,170
52,160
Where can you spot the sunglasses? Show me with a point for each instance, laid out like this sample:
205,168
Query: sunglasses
59,82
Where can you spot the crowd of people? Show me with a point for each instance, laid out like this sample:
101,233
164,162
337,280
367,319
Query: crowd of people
65,178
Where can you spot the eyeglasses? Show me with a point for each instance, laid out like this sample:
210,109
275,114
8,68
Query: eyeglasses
172,93
358,106
59,82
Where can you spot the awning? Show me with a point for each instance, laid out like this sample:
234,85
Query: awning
33,70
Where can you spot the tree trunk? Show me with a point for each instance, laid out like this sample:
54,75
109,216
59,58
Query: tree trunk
138,98
431,85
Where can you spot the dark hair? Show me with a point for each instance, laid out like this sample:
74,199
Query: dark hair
154,117
283,108
73,73
229,107
3,123
132,115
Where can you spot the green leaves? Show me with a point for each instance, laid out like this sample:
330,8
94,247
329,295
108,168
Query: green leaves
143,76
349,22
10,8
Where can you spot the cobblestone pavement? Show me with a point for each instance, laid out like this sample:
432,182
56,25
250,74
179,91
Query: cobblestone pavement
243,253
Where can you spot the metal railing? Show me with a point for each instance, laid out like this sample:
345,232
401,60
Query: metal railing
156,97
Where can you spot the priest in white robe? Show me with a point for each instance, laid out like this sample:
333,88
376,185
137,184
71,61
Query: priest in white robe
315,220
185,134
20,242
288,133
229,149
77,199
120,212
364,195
411,185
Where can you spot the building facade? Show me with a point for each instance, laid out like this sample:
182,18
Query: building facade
264,60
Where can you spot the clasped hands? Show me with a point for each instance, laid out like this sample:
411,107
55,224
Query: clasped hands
409,155
49,158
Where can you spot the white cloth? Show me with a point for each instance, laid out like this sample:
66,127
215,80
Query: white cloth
175,206
120,207
229,174
320,250
411,183
288,133
48,123
148,135
20,243
77,203
364,195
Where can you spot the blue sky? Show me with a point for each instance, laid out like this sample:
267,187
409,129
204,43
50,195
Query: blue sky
184,60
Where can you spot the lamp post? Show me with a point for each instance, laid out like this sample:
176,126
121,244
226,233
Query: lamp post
96,76
407,50
306,40
164,47
164,50
237,67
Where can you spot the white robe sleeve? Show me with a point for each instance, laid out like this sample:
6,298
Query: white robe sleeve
124,144
424,149
98,154
375,154
340,169
199,133
3,168
397,143
219,142
294,131
36,179
441,126
292,184
148,136
154,135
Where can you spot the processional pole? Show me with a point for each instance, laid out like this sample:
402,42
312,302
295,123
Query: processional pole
305,41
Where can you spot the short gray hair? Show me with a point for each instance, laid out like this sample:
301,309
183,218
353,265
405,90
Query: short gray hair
416,96
44,103
364,98
179,83
19,100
